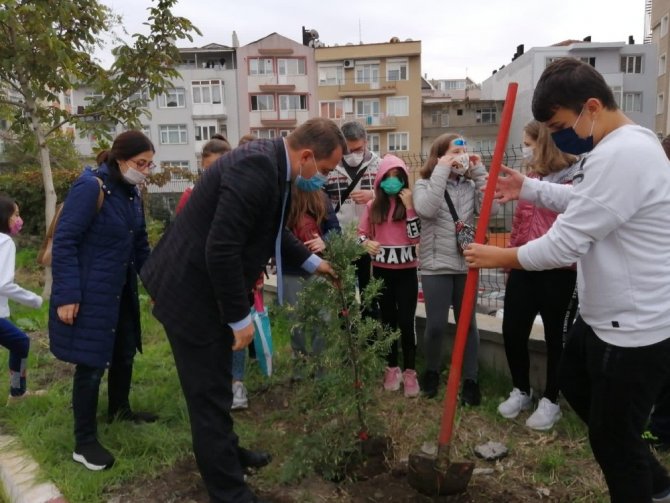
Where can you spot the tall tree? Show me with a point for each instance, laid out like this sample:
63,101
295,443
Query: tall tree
46,51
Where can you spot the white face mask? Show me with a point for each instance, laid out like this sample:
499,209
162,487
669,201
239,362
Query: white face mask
354,159
527,153
461,164
134,177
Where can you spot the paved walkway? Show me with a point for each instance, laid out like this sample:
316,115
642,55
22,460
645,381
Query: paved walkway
19,474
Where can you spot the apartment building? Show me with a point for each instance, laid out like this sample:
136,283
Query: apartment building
659,24
376,84
630,70
202,102
456,108
276,86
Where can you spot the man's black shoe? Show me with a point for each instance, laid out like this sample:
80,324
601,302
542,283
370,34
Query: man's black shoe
253,459
470,394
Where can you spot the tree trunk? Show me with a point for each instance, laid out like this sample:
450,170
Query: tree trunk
47,180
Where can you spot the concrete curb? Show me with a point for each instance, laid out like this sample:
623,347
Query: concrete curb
19,476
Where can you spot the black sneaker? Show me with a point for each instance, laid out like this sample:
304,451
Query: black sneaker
93,456
431,381
470,394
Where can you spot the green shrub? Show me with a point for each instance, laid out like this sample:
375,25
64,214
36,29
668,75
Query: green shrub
27,188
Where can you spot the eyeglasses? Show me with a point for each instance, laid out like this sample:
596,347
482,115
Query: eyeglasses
143,164
459,142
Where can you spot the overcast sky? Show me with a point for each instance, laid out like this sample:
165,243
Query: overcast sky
472,35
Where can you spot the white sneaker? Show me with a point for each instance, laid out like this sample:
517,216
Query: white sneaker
517,401
240,400
545,416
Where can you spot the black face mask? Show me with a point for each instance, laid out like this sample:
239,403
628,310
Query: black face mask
569,142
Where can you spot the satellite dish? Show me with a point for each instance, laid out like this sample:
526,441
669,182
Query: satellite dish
394,40
313,33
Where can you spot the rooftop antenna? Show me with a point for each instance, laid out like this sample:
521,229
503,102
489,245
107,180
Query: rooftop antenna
360,36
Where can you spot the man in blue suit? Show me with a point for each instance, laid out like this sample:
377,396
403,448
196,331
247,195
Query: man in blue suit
201,272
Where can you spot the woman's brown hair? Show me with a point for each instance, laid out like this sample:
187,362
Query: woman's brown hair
437,150
547,158
306,203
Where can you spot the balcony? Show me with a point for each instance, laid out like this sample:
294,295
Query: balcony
373,87
371,122
279,119
278,83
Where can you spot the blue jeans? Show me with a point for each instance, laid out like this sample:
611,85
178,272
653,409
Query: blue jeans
18,344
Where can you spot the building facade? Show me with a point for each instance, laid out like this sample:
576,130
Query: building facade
378,85
659,24
276,86
203,102
629,69
456,108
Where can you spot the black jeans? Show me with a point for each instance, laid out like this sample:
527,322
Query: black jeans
397,304
206,380
86,382
612,389
528,293
659,423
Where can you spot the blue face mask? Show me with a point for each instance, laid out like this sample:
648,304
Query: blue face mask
392,185
569,142
316,182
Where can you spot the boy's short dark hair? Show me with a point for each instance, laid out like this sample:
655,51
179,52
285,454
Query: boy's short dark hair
568,83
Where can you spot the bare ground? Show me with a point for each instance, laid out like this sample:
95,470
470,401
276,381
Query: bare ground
551,467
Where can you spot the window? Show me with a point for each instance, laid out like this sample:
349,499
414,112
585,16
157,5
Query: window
660,104
284,132
262,102
398,106
398,141
260,66
632,102
617,92
439,118
486,115
207,91
446,85
367,108
174,98
204,133
92,96
139,97
396,69
664,25
292,66
331,109
264,133
331,75
631,64
175,177
550,60
146,130
293,102
367,73
662,64
485,146
590,60
459,112
174,134
373,143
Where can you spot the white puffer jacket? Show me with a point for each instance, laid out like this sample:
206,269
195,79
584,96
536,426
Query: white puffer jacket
438,251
